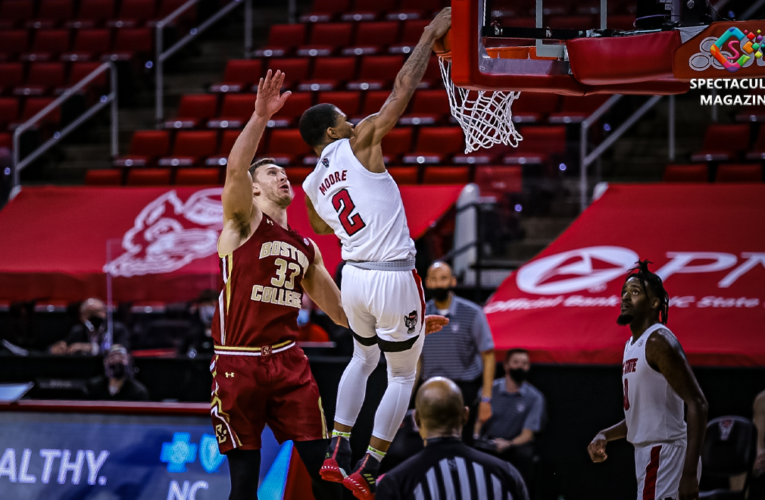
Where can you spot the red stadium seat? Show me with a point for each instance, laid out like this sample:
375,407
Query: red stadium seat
373,101
133,13
226,143
34,105
235,111
432,77
404,176
498,180
148,177
9,111
533,107
145,147
292,110
446,175
575,109
368,10
377,72
6,140
371,38
103,177
623,22
396,143
558,8
13,13
193,110
167,7
410,36
326,38
724,142
286,145
538,144
325,10
42,78
758,151
573,22
11,76
79,71
88,45
190,147
47,44
240,75
686,173
329,72
435,144
130,42
296,175
197,177
427,108
92,13
739,173
294,69
282,39
347,102
12,43
415,9
52,13
480,157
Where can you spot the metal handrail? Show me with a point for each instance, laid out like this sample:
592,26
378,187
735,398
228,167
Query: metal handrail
164,55
19,164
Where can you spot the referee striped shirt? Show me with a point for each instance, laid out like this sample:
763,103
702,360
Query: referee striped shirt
447,469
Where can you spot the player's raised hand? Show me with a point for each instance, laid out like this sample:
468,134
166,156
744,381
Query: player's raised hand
268,100
597,448
442,23
435,323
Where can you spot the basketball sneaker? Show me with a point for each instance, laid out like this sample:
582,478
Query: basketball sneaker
337,461
363,481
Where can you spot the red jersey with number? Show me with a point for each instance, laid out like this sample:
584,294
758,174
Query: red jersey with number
262,288
363,208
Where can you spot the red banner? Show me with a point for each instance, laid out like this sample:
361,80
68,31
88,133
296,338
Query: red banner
162,241
706,241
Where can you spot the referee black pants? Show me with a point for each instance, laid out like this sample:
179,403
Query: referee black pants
470,395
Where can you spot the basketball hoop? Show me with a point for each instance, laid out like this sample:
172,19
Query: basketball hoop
486,116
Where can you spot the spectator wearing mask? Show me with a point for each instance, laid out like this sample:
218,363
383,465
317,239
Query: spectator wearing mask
90,336
464,350
117,383
518,412
446,465
309,331
199,339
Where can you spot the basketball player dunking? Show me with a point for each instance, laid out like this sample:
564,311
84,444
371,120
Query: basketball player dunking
352,195
259,375
657,380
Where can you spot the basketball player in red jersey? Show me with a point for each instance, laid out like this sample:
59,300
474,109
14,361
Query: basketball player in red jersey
259,375
657,381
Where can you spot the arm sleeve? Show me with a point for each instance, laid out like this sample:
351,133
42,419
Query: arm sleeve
387,489
482,333
536,415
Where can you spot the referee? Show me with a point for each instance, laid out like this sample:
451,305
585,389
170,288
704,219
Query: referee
447,468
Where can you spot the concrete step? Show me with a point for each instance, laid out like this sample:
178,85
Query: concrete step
545,228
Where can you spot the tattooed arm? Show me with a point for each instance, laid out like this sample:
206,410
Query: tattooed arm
369,133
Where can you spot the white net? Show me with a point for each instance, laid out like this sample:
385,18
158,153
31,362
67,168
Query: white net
486,117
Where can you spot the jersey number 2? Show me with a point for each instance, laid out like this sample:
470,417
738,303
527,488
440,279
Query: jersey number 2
344,206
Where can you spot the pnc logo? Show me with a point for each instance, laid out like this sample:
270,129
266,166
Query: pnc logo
749,43
575,270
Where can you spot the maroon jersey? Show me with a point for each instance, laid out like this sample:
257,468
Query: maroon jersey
262,289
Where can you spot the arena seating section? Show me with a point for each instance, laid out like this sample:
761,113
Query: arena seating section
346,52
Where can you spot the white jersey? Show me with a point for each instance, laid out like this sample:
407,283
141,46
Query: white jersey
652,409
362,207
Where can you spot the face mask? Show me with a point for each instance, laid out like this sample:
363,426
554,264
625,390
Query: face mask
440,294
116,370
206,314
96,321
518,375
304,316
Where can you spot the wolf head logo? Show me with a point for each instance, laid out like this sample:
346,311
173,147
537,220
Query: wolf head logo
410,320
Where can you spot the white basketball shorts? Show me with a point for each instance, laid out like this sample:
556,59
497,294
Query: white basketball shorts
659,469
389,305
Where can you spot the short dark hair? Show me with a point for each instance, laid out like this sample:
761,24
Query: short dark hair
517,350
654,282
259,163
315,122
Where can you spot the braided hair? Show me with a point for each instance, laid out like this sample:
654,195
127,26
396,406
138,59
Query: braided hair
654,282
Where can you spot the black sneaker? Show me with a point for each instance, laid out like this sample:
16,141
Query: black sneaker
337,461
363,481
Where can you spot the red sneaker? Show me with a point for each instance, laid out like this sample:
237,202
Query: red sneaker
337,460
363,481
